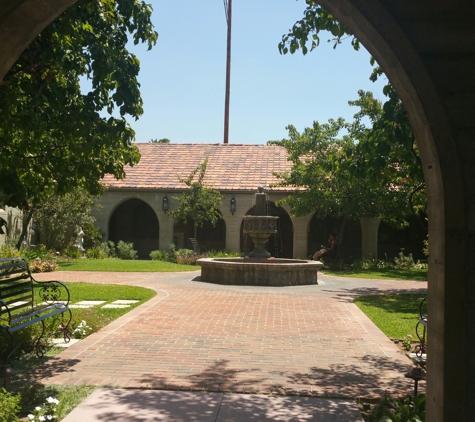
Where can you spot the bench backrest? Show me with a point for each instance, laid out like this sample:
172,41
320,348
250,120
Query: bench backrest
16,286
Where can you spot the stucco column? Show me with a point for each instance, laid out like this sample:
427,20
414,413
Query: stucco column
165,236
369,240
233,221
301,236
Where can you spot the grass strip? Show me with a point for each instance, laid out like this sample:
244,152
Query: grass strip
394,314
382,274
122,265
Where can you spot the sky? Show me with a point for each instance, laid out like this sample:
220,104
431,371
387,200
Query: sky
183,77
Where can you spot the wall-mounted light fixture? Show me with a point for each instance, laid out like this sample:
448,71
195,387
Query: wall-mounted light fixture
165,204
233,205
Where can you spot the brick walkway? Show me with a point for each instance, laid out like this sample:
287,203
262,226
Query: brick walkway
194,336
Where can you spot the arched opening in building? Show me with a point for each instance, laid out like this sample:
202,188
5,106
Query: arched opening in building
409,239
348,235
135,221
209,237
280,245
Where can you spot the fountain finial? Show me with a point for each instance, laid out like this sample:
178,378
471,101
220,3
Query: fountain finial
260,189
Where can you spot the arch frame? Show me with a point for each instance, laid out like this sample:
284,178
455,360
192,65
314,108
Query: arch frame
448,382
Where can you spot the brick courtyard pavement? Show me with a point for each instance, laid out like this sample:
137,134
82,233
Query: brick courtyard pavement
195,336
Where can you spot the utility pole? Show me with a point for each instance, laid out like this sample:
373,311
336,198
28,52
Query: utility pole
228,11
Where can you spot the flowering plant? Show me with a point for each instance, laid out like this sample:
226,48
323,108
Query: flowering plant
407,342
47,412
82,330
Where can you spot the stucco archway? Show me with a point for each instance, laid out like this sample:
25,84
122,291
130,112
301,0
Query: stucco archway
427,51
135,221
280,245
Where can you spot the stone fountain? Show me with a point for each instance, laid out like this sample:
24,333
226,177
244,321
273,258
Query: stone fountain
260,226
259,268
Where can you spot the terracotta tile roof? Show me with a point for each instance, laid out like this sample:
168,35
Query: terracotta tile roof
231,167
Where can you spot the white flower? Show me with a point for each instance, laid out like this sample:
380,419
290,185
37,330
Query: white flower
49,417
38,408
30,416
41,418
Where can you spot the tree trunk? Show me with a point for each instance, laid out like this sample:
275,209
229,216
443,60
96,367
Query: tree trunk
195,232
340,236
26,223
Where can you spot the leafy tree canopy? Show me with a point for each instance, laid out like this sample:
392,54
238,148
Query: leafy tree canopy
60,218
198,203
323,157
391,133
159,141
52,136
389,145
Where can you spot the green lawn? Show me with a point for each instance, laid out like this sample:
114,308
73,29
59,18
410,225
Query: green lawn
383,274
395,314
70,396
122,265
97,317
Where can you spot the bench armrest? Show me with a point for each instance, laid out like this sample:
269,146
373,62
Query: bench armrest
53,291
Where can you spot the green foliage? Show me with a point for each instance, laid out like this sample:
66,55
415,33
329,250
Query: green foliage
39,251
59,218
159,256
72,252
407,341
159,141
53,136
327,186
8,251
9,406
125,250
389,145
198,203
223,254
45,412
404,262
92,235
405,409
102,251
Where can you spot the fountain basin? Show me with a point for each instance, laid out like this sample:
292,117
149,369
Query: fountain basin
259,272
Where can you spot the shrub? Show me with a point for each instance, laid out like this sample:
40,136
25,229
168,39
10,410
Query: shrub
188,259
159,256
43,266
9,405
73,252
39,251
104,250
125,250
337,265
46,412
405,409
8,251
223,254
404,262
92,235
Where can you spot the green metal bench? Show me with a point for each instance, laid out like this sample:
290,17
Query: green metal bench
17,304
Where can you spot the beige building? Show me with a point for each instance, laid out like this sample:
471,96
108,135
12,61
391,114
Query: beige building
137,209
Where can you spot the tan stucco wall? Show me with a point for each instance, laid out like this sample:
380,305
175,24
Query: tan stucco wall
113,198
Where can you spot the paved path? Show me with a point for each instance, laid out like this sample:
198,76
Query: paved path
195,337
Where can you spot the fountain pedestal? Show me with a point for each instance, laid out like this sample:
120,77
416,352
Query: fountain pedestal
259,228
